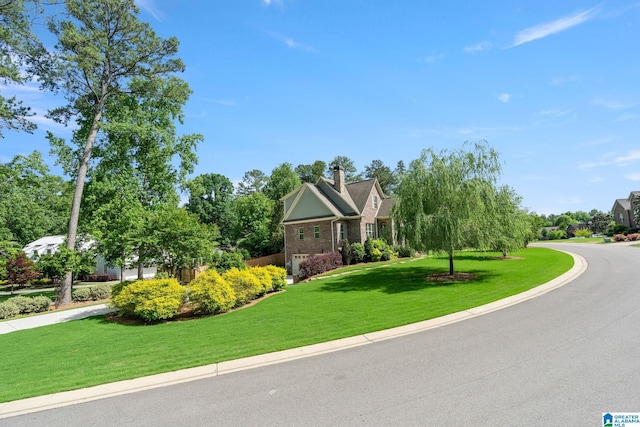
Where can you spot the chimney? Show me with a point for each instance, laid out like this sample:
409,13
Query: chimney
338,179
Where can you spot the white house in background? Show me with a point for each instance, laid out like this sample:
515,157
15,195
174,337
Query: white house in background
49,245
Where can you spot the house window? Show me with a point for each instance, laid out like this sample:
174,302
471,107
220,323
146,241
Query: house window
301,233
316,232
374,202
370,231
621,218
342,231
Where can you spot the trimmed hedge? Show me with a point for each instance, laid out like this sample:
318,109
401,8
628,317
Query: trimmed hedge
278,277
150,300
319,264
94,293
100,277
24,305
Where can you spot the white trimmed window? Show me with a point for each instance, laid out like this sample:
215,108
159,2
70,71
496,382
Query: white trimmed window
316,232
374,202
369,229
301,233
342,231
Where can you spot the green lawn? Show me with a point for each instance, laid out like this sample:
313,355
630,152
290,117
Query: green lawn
93,351
49,294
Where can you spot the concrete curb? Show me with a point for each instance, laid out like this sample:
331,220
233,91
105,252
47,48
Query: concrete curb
67,398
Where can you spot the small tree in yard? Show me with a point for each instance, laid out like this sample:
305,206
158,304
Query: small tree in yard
20,270
444,199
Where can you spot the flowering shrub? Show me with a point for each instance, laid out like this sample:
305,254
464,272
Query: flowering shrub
278,277
150,300
632,237
210,293
245,285
619,237
8,309
264,277
320,263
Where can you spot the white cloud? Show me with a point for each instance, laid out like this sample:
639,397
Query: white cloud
150,7
614,105
554,112
268,3
633,176
291,43
619,161
432,58
479,47
543,30
504,97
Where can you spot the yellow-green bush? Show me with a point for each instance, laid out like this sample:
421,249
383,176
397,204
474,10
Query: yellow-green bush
264,276
278,277
150,300
245,285
210,293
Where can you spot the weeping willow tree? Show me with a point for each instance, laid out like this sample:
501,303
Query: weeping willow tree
445,199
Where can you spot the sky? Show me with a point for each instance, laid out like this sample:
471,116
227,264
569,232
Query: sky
553,87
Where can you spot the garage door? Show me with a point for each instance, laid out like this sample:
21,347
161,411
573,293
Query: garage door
297,259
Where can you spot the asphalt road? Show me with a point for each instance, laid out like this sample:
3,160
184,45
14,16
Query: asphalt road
562,358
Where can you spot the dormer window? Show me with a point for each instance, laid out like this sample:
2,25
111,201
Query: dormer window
374,202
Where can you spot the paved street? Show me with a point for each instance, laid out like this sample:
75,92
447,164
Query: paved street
562,358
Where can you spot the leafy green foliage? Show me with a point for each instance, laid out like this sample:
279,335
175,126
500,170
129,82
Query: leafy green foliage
311,173
98,72
210,293
34,203
211,197
358,252
150,300
24,305
226,260
385,176
583,232
444,198
254,212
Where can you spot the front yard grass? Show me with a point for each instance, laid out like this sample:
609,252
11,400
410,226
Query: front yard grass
94,351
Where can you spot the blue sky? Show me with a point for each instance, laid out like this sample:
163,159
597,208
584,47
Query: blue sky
553,86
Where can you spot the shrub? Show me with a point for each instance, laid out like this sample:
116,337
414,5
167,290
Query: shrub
278,277
81,295
27,305
632,237
619,237
210,293
557,234
388,254
357,252
8,309
404,251
368,249
245,285
101,291
583,232
264,277
41,303
347,255
118,287
100,277
150,300
319,264
376,255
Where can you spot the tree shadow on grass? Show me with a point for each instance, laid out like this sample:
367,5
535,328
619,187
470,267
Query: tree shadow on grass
397,280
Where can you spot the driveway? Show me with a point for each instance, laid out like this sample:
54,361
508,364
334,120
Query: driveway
562,358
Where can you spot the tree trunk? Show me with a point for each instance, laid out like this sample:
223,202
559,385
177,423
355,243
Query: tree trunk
140,270
451,264
64,297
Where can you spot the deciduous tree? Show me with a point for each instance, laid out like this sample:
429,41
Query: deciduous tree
443,194
101,46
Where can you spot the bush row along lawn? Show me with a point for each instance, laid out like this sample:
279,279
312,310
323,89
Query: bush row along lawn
93,351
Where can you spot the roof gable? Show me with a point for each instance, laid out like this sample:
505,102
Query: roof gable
306,203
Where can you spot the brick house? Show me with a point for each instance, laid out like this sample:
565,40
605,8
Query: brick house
319,217
622,210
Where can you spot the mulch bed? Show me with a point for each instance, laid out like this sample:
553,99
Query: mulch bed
455,277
